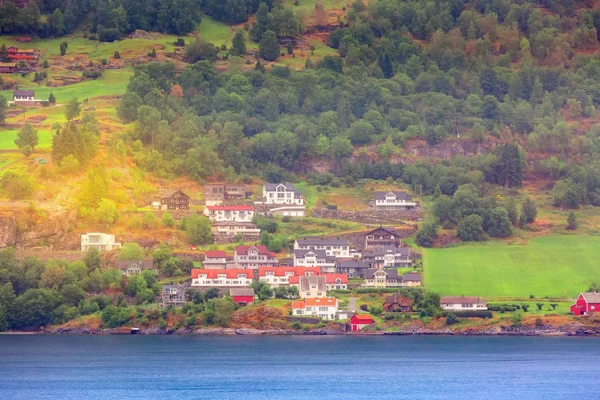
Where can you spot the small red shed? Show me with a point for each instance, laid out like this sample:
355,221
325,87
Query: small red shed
242,296
359,321
586,303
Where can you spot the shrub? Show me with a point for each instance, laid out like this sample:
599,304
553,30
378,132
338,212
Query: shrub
474,314
451,319
179,42
364,307
375,310
152,53
296,325
116,55
104,61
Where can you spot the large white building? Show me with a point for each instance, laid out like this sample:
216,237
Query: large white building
325,308
229,213
338,248
282,193
315,258
100,241
463,303
222,277
252,257
394,200
280,276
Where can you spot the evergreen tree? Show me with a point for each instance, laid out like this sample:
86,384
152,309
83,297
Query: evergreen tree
571,221
57,23
262,24
529,210
51,98
537,93
509,170
385,63
238,44
259,66
268,48
63,48
27,139
4,54
511,209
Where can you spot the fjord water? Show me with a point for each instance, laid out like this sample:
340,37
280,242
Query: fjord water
300,367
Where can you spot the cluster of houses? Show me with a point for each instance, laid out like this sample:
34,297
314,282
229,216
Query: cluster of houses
16,58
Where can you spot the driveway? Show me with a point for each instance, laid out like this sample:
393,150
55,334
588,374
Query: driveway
352,304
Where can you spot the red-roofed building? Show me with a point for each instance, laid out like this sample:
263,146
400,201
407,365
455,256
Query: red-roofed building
222,277
242,296
280,276
325,308
359,321
252,257
587,303
336,281
229,213
16,54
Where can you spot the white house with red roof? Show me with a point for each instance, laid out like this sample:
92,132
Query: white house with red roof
222,277
322,307
336,281
252,257
281,276
229,213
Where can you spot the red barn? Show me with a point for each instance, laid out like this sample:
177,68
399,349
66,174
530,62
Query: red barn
359,321
586,303
242,296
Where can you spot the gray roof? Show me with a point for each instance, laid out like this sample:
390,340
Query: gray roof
392,273
171,192
390,230
23,92
143,264
381,250
241,292
360,264
307,281
592,297
399,195
322,242
411,276
174,286
321,254
272,186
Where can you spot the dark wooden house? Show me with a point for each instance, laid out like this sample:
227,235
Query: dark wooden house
174,200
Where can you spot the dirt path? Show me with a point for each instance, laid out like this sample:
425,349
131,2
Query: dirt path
352,303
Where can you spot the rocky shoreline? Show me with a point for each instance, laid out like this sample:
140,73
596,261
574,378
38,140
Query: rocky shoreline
567,330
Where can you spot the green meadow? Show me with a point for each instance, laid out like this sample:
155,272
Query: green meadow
554,266
8,136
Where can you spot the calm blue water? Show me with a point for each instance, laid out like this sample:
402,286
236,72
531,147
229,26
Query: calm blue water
144,367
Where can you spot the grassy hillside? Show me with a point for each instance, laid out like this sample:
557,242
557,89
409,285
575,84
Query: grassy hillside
554,266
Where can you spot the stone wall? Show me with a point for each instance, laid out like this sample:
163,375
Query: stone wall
228,239
369,216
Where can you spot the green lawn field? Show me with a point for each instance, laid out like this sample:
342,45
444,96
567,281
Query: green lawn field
8,136
555,266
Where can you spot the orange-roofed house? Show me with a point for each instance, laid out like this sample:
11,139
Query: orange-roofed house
360,321
222,277
280,276
323,307
336,281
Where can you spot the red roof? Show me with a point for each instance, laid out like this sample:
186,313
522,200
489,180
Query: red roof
262,250
230,208
330,279
322,301
229,273
298,304
297,271
215,254
362,319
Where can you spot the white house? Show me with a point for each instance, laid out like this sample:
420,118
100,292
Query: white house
315,258
325,308
222,277
310,286
282,193
384,278
463,303
229,213
283,276
100,241
252,257
23,98
394,200
387,257
333,247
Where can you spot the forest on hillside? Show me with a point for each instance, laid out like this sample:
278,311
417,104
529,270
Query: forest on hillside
521,74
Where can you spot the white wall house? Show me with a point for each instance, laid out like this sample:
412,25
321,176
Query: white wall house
394,200
463,303
100,241
229,213
282,193
387,257
333,247
282,276
325,308
252,257
222,277
315,258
